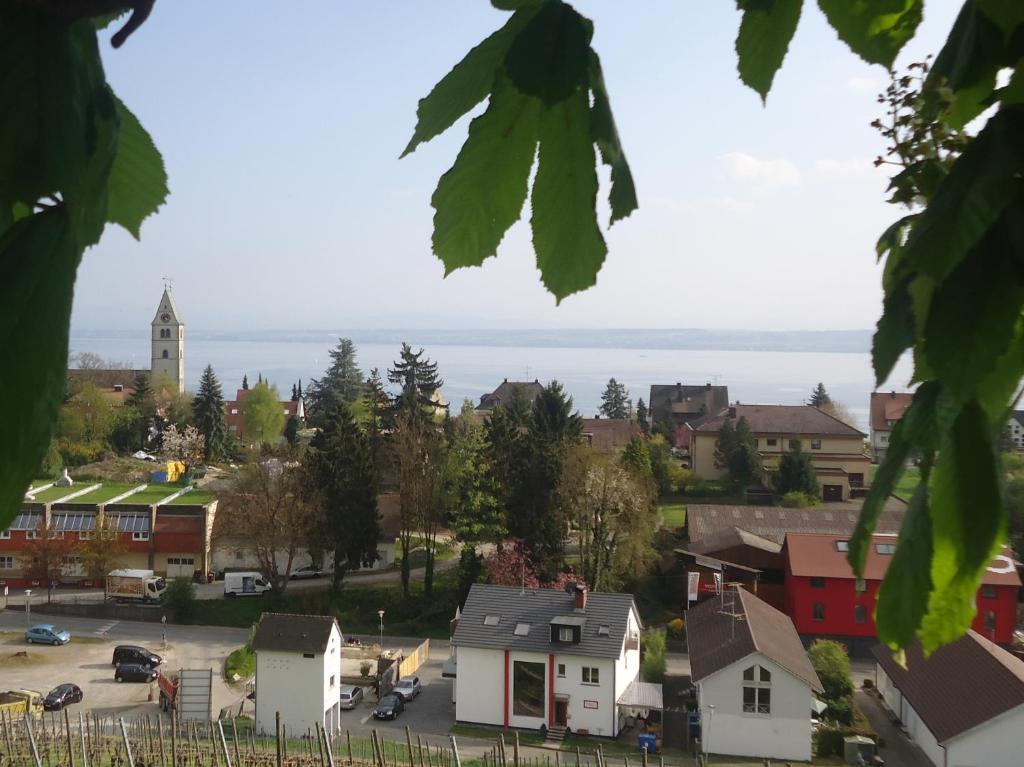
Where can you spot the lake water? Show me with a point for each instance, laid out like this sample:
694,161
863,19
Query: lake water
474,363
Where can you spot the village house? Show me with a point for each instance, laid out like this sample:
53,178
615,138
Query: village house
673,406
755,683
608,436
547,658
234,412
298,674
1015,430
836,449
825,599
163,528
506,391
885,410
963,705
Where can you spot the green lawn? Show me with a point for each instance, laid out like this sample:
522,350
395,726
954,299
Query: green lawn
905,487
195,498
673,515
105,493
482,732
152,494
56,493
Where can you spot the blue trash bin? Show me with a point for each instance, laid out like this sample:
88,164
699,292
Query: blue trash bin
649,740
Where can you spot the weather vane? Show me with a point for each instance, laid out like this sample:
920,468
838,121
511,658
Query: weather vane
167,282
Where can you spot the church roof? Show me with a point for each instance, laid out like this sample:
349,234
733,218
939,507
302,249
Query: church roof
168,306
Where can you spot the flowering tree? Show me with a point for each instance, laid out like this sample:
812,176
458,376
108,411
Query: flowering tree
510,565
187,446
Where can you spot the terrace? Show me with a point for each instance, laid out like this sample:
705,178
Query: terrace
194,498
153,494
107,492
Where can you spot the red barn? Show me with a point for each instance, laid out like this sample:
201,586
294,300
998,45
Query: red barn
825,599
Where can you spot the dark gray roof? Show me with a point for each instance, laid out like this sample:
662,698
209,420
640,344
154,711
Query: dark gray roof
780,419
1018,416
722,631
502,396
538,607
281,632
686,400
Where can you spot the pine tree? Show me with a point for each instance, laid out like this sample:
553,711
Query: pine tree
295,393
744,464
796,473
143,401
300,388
642,416
208,415
725,445
819,397
341,382
291,430
614,400
417,377
245,382
377,405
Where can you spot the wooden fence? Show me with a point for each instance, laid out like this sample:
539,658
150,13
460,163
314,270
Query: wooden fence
411,662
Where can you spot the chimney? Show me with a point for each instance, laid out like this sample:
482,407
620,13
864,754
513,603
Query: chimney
581,596
732,412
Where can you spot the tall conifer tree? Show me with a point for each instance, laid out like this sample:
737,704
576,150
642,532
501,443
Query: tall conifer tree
208,415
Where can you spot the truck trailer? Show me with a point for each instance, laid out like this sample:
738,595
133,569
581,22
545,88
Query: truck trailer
135,586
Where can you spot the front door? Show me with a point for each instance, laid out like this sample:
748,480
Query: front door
561,712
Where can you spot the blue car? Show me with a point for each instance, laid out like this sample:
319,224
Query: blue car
47,633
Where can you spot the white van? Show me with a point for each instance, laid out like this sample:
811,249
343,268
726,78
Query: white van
244,584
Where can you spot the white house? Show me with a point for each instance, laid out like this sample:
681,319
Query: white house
298,667
535,658
964,705
755,684
1015,430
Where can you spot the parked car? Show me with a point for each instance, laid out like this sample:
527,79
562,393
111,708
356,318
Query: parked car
306,571
408,687
389,707
133,653
133,672
47,633
351,696
62,695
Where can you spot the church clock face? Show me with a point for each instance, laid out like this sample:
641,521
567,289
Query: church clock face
165,317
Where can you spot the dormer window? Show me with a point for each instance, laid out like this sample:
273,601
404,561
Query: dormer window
565,635
567,629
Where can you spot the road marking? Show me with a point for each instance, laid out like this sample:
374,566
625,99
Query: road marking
365,719
104,628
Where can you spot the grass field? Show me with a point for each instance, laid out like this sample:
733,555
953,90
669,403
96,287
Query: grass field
51,494
673,515
152,494
194,498
105,493
905,487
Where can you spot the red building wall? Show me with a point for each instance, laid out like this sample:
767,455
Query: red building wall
839,596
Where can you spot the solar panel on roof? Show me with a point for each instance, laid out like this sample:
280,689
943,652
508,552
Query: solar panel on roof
27,520
132,523
72,522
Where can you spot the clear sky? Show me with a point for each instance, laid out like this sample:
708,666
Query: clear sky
281,125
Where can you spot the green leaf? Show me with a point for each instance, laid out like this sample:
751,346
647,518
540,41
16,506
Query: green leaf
981,184
483,193
566,237
895,331
622,195
765,32
903,595
40,259
894,236
138,182
549,59
997,390
968,525
468,83
972,55
515,5
1007,14
973,314
876,30
915,427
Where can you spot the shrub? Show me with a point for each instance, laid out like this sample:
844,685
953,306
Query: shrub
796,500
830,737
677,628
364,668
180,598
832,663
653,649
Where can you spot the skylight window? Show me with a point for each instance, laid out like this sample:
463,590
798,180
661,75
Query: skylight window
491,620
842,545
885,548
522,629
602,630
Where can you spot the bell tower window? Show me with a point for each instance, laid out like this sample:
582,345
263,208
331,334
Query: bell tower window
165,355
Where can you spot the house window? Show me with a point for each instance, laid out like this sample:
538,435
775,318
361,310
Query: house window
819,611
757,690
140,536
164,355
883,438
989,592
842,546
239,556
564,635
990,620
6,563
860,585
561,670
528,689
332,680
772,441
817,583
31,535
815,444
885,548
591,675
234,411
860,614
84,536
308,655
794,444
5,535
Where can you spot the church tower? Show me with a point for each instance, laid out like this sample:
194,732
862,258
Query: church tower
168,341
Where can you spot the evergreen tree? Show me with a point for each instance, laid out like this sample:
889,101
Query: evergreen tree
642,416
796,473
820,397
471,501
143,401
745,462
245,382
342,382
300,388
725,445
343,468
291,430
377,406
553,416
208,415
295,393
417,377
615,400
637,457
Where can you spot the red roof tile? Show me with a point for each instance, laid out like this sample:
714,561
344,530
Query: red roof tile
888,406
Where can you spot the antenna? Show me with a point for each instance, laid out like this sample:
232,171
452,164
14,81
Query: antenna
168,282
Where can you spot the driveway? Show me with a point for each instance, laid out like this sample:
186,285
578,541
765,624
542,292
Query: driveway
899,750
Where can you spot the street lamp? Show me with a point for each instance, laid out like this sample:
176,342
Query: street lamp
28,607
380,614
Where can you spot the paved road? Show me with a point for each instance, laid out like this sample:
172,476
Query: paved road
899,750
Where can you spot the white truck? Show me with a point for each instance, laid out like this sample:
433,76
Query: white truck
135,586
247,584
